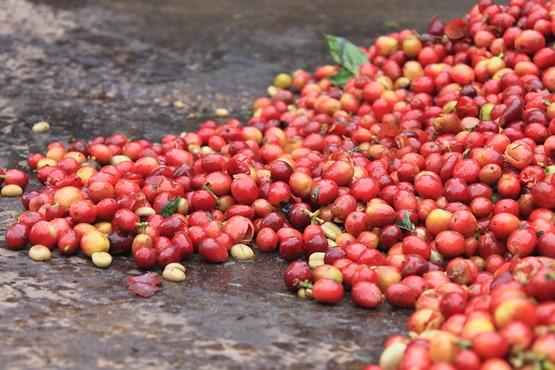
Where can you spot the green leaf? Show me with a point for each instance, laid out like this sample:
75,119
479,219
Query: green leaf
346,54
341,78
464,343
170,208
485,111
390,23
361,358
406,223
315,193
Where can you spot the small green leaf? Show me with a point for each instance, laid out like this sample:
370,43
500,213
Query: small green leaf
315,193
464,343
390,23
361,358
341,78
485,111
170,208
346,54
304,284
406,223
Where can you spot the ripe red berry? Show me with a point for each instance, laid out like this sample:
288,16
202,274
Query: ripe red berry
327,291
490,345
125,220
212,251
366,294
144,257
296,272
82,211
43,233
400,295
244,190
16,236
324,192
450,243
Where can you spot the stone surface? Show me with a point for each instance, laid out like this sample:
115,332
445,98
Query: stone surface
104,66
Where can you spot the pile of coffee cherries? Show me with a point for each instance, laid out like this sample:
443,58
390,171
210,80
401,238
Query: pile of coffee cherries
426,178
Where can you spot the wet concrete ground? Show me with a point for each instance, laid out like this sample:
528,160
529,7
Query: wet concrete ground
102,66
